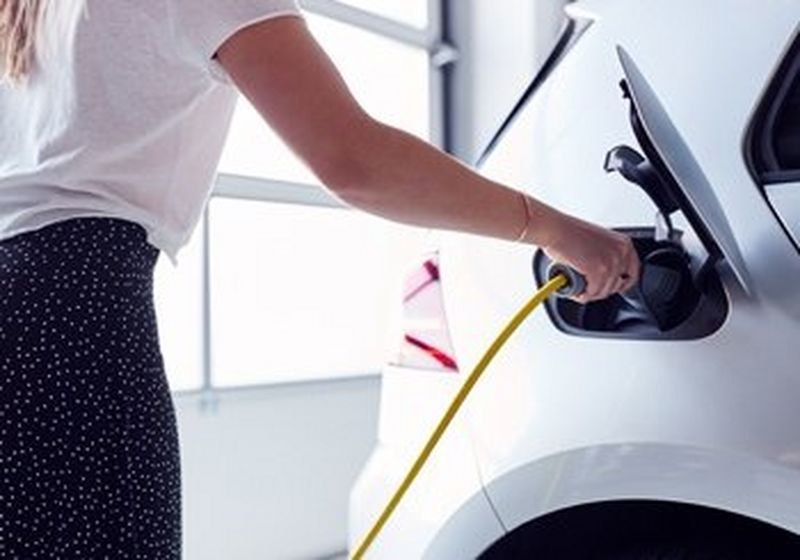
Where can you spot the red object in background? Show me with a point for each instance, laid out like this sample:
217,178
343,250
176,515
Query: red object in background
426,340
435,353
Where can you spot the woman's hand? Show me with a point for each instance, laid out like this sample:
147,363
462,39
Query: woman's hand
606,258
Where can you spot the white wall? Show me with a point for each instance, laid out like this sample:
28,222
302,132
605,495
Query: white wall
267,474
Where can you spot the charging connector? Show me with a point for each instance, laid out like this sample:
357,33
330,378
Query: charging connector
576,282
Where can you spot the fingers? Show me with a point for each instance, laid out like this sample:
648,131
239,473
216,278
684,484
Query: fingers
613,280
626,282
606,258
632,268
595,287
617,274
600,283
628,273
620,283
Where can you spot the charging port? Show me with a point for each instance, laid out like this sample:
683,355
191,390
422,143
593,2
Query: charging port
677,296
672,300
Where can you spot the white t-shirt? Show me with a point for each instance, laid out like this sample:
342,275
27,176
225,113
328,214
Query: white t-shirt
125,114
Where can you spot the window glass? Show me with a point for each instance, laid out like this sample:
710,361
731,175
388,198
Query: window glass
775,132
300,292
388,78
787,129
178,296
412,12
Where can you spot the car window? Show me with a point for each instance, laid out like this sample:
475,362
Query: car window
774,142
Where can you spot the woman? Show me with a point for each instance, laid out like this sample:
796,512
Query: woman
112,118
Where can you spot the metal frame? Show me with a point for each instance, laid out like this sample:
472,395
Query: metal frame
270,190
441,55
387,27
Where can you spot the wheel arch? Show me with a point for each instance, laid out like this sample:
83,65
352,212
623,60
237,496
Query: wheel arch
711,484
633,527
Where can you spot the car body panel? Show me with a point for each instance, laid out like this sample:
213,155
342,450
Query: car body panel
785,199
558,419
581,393
651,471
449,481
683,166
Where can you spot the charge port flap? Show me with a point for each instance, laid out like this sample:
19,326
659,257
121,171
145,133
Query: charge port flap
683,166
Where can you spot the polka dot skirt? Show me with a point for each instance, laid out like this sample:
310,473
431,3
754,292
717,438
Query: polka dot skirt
89,463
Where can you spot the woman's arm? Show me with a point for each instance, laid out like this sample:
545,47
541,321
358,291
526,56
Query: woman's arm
290,80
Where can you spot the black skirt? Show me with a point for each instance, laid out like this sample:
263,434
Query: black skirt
89,461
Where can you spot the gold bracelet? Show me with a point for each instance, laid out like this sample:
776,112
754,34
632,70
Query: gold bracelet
524,231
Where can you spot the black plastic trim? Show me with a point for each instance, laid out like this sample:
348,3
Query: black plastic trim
777,177
761,157
759,129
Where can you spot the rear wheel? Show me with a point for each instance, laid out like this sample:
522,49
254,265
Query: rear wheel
683,551
645,530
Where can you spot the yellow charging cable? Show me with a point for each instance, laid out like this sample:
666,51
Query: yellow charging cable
546,291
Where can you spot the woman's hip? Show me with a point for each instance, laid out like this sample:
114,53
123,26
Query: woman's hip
88,419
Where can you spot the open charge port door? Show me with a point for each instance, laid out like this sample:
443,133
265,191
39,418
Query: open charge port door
679,295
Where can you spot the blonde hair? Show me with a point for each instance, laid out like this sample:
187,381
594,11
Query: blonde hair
19,22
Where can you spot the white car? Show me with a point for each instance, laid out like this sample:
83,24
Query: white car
663,424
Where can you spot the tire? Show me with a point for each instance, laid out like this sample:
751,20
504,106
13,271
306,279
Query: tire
692,551
645,530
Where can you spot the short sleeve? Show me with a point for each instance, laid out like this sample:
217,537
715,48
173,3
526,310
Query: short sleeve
202,26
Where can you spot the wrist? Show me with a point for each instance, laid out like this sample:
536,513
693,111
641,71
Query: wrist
545,224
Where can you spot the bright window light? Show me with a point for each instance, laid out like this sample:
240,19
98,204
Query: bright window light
301,292
388,78
412,12
178,300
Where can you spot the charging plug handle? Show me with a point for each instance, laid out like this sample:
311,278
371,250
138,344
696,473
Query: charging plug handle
576,282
